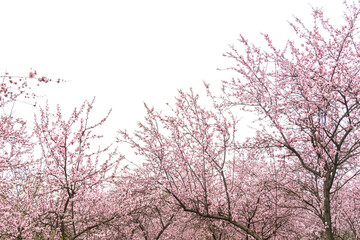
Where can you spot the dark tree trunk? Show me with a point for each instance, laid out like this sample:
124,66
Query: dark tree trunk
327,212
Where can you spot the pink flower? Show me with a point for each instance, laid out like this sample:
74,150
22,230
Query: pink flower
31,74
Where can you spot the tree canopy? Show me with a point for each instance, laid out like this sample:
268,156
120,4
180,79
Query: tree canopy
297,177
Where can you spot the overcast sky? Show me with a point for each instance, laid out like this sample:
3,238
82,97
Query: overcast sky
135,51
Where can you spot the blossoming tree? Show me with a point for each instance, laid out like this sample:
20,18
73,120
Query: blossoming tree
193,157
306,96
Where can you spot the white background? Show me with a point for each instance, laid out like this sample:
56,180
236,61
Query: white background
129,52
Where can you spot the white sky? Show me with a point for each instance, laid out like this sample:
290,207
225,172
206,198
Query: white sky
128,52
